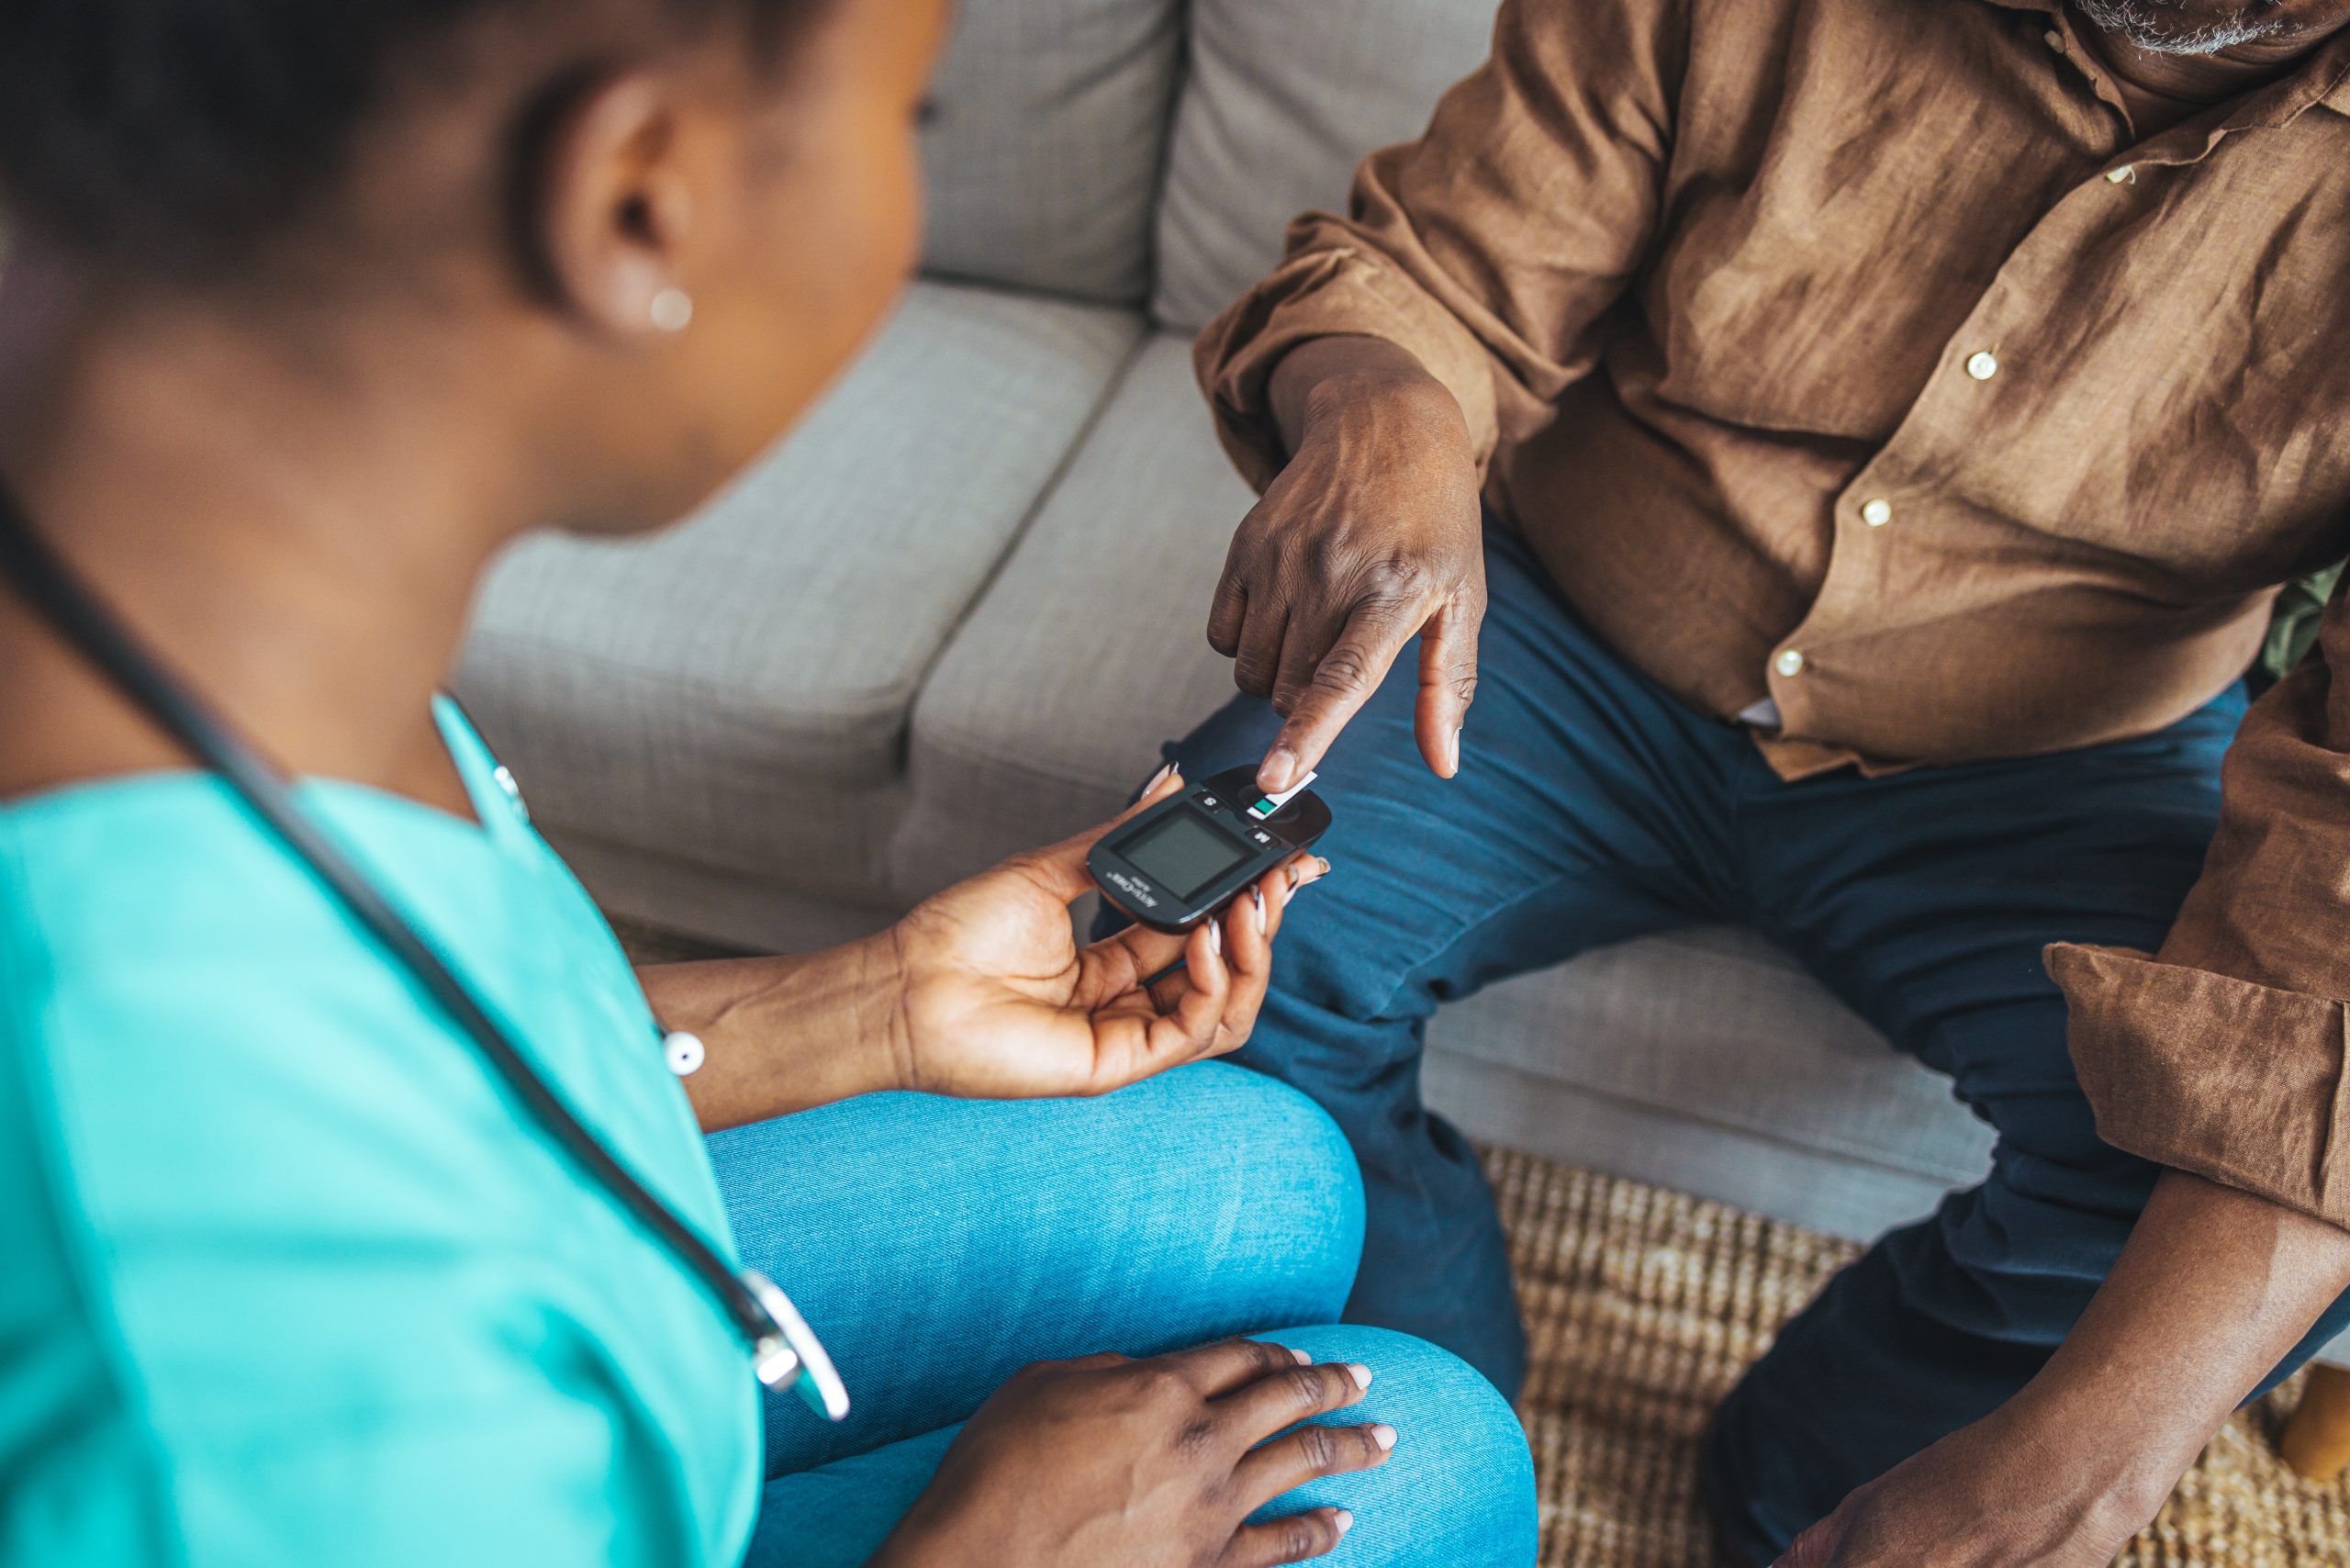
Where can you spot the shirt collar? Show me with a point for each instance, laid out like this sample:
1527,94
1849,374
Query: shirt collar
2323,78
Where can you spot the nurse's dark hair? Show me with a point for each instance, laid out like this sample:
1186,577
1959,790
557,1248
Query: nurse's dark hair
175,136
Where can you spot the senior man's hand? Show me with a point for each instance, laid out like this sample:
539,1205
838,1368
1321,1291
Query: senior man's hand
2213,1288
1369,537
2007,1492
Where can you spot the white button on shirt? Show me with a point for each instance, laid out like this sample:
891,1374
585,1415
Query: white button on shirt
2122,175
1789,662
1982,365
1877,513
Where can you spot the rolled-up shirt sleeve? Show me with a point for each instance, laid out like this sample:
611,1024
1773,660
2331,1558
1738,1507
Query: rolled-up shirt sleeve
1490,248
2222,1054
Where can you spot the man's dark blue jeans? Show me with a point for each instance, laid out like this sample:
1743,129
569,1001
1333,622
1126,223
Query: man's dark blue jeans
1593,806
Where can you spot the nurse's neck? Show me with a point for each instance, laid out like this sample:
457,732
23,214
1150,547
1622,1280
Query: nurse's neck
294,518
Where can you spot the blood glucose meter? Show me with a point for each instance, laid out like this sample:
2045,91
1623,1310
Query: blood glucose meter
1189,856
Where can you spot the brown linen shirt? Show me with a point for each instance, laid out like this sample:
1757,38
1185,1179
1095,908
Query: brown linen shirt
1859,354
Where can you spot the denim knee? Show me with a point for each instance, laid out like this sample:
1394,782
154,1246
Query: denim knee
1458,1489
1273,1149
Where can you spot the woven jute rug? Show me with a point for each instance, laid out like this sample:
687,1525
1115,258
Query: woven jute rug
1644,1306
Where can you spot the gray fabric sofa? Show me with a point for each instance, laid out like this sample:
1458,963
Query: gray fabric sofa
958,612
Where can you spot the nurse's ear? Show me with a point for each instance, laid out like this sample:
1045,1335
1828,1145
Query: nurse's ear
606,197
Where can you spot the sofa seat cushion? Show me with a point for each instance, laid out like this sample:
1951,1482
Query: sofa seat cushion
1718,1024
735,692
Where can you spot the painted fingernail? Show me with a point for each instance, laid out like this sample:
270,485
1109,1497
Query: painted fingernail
1257,897
1344,1520
1280,767
1215,937
1360,1373
1383,1435
1453,748
1165,771
1303,1358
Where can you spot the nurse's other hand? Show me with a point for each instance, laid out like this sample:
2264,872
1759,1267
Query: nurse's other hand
998,1001
1146,1464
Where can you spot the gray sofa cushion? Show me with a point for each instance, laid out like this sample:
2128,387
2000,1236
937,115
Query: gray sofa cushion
1091,648
1721,1026
735,692
1283,99
1049,134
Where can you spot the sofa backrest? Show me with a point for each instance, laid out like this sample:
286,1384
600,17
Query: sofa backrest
1050,131
1283,99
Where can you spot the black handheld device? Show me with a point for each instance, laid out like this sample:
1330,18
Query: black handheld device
1189,856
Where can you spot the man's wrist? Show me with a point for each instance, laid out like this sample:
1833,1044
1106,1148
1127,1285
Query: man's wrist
1326,380
2115,1459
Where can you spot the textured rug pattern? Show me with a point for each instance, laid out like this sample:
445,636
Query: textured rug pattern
1643,1306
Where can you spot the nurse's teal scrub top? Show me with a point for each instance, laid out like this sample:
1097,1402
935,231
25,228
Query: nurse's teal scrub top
284,1278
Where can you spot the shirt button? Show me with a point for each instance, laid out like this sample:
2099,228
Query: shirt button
1982,365
1789,662
2056,39
1877,513
2122,175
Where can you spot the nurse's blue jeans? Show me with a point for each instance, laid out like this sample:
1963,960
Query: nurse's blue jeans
1592,807
938,1246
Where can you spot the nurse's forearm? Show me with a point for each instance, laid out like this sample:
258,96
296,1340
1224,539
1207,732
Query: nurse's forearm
783,1034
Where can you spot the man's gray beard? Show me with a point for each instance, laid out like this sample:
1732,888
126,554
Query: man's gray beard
2155,26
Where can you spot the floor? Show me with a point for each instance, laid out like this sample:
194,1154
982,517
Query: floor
1644,1304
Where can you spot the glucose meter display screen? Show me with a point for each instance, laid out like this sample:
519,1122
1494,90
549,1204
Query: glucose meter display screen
1183,852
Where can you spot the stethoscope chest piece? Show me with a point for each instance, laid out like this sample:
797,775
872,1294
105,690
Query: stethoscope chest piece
791,1352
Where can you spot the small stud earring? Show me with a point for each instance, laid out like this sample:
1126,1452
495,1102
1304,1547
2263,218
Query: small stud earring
672,309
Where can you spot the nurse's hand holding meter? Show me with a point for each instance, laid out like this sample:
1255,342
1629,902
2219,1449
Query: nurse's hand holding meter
999,1001
982,992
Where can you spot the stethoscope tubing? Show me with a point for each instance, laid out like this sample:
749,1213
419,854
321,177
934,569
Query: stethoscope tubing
782,1346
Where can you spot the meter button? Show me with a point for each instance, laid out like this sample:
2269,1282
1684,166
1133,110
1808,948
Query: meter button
1261,836
1209,803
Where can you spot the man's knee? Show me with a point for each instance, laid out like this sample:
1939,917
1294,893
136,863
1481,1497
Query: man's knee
2012,1065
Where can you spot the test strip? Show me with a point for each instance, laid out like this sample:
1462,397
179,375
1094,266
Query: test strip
1268,804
